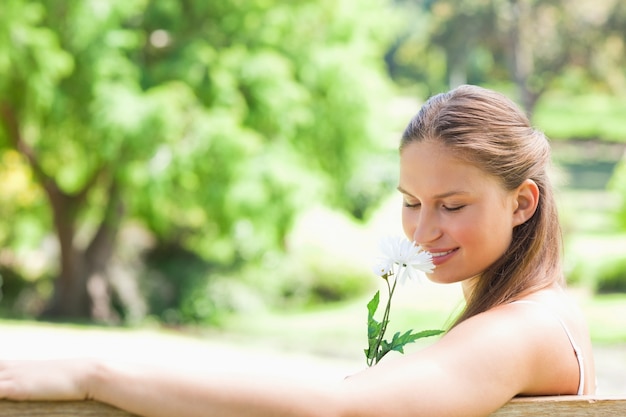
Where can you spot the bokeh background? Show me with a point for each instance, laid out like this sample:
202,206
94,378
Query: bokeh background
223,169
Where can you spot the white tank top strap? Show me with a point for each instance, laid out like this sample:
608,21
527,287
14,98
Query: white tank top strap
577,350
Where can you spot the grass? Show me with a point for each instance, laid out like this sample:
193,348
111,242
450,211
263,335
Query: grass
339,330
563,115
335,332
605,314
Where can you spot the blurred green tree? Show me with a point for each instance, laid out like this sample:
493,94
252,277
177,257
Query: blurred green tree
209,123
535,44
617,184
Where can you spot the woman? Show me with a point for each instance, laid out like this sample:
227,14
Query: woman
477,197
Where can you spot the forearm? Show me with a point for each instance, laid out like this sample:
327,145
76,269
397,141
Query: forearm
151,392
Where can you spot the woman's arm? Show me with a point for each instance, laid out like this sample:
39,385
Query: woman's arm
160,391
471,371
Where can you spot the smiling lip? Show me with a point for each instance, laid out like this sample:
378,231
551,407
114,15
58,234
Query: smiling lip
440,256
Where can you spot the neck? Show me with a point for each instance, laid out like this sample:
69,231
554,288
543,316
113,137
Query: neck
468,286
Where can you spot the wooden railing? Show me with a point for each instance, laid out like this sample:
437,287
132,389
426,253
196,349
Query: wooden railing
59,409
570,406
567,406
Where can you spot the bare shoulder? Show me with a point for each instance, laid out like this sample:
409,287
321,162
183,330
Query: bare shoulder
533,340
505,344
477,366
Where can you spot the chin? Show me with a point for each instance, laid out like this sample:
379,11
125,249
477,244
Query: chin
438,279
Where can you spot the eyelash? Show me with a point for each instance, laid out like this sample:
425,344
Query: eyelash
450,209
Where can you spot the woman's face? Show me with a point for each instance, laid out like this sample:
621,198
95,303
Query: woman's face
454,210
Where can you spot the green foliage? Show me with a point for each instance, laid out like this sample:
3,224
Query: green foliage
374,327
307,108
20,295
11,285
605,276
307,277
219,122
565,116
171,278
612,276
596,261
182,288
617,184
21,204
216,122
444,43
601,312
379,347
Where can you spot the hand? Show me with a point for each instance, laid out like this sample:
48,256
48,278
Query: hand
44,379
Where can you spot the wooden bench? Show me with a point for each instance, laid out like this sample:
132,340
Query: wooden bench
567,405
570,406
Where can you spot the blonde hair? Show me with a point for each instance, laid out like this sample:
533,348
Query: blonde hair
487,129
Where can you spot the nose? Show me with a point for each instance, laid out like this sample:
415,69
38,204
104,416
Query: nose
421,225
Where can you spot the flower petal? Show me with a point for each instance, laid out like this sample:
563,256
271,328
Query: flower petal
409,257
382,268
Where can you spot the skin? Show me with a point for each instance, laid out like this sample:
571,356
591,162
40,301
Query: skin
514,349
462,216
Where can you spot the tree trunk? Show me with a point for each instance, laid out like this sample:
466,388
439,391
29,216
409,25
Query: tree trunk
522,58
70,298
522,63
98,256
81,290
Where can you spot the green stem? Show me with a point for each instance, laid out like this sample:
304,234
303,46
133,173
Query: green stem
385,321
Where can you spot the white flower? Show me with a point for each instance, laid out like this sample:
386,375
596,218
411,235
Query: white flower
420,261
409,259
383,267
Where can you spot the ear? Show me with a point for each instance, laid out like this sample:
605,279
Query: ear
526,199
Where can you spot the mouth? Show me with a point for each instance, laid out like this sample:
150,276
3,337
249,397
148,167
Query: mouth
440,257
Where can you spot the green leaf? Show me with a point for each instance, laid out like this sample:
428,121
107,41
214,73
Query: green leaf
399,341
373,326
385,347
373,305
427,333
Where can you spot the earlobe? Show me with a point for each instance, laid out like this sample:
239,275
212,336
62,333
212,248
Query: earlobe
527,199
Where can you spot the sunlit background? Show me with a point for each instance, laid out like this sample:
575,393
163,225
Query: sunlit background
176,175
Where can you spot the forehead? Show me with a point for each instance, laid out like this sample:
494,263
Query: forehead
429,168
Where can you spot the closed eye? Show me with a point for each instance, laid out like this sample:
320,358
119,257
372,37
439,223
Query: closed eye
415,205
453,208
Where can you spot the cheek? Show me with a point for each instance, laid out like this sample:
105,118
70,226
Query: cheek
465,233
486,238
406,225
490,238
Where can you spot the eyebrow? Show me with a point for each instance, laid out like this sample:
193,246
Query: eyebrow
438,196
